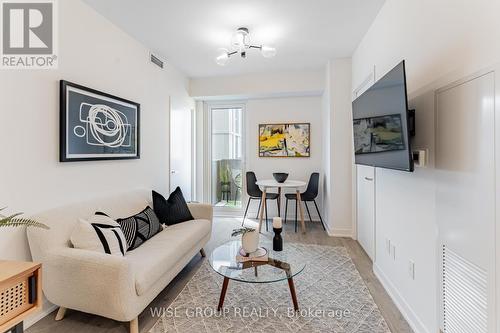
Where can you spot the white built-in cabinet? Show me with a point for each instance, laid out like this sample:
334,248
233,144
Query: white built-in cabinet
465,203
365,208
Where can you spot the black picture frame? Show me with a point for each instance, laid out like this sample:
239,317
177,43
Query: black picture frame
107,152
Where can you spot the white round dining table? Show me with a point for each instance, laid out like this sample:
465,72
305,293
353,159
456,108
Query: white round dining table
271,183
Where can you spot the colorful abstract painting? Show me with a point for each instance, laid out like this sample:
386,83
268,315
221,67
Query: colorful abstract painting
284,140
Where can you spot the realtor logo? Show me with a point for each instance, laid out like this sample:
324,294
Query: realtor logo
28,34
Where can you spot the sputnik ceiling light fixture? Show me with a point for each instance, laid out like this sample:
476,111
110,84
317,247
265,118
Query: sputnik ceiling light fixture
240,44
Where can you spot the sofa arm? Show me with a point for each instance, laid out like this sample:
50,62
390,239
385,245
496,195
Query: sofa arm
201,211
90,281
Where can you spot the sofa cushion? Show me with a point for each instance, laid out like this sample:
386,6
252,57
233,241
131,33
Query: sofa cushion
172,210
156,256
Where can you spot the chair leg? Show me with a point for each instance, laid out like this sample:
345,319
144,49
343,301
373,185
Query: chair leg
296,206
320,219
308,213
236,196
265,209
258,210
246,210
286,208
60,313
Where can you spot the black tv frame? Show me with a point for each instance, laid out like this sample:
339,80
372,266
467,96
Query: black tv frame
410,115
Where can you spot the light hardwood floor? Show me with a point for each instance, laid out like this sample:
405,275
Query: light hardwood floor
78,322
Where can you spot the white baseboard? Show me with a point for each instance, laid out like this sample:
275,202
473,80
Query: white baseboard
227,213
410,316
338,232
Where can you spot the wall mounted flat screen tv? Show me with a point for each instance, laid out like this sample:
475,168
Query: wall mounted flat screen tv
380,123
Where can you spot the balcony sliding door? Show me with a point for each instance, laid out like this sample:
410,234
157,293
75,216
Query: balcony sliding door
226,133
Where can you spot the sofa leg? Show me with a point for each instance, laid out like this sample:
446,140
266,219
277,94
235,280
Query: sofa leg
202,252
60,313
134,325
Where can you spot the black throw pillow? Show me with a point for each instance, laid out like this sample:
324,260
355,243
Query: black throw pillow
172,210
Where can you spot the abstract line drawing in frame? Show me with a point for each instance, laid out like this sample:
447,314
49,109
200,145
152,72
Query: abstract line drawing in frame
285,140
97,126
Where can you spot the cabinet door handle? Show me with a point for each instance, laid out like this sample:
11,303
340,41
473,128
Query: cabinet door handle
369,179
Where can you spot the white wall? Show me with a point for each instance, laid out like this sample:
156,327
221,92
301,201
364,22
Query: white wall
258,85
441,41
199,151
283,110
327,139
94,53
337,154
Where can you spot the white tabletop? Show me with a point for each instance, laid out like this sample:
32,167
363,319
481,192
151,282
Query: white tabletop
286,184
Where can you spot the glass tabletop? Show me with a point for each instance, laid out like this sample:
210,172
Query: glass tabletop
281,265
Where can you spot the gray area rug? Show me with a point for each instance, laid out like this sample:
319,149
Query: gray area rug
331,294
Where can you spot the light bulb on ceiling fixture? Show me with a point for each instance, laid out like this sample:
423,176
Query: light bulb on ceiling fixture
268,51
222,58
240,39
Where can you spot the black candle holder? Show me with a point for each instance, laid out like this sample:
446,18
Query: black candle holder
277,239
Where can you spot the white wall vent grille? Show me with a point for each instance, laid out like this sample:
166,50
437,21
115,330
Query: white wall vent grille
157,61
464,295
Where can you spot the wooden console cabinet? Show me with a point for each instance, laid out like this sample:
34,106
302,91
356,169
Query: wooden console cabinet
20,293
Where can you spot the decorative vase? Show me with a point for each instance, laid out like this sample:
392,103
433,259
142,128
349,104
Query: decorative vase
277,239
250,241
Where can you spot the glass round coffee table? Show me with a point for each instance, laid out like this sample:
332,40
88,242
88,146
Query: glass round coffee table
280,266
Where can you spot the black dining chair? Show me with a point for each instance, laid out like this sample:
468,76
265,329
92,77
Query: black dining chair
309,195
254,193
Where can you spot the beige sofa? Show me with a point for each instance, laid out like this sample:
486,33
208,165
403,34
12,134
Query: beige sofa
115,287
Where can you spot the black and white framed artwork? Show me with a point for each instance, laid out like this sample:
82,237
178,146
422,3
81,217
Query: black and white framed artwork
97,126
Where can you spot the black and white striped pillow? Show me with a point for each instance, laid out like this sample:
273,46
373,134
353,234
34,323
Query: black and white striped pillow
101,234
111,237
140,227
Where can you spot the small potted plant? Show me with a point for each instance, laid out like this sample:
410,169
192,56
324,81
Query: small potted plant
15,220
249,238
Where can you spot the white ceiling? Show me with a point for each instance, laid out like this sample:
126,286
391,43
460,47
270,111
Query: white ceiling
188,33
